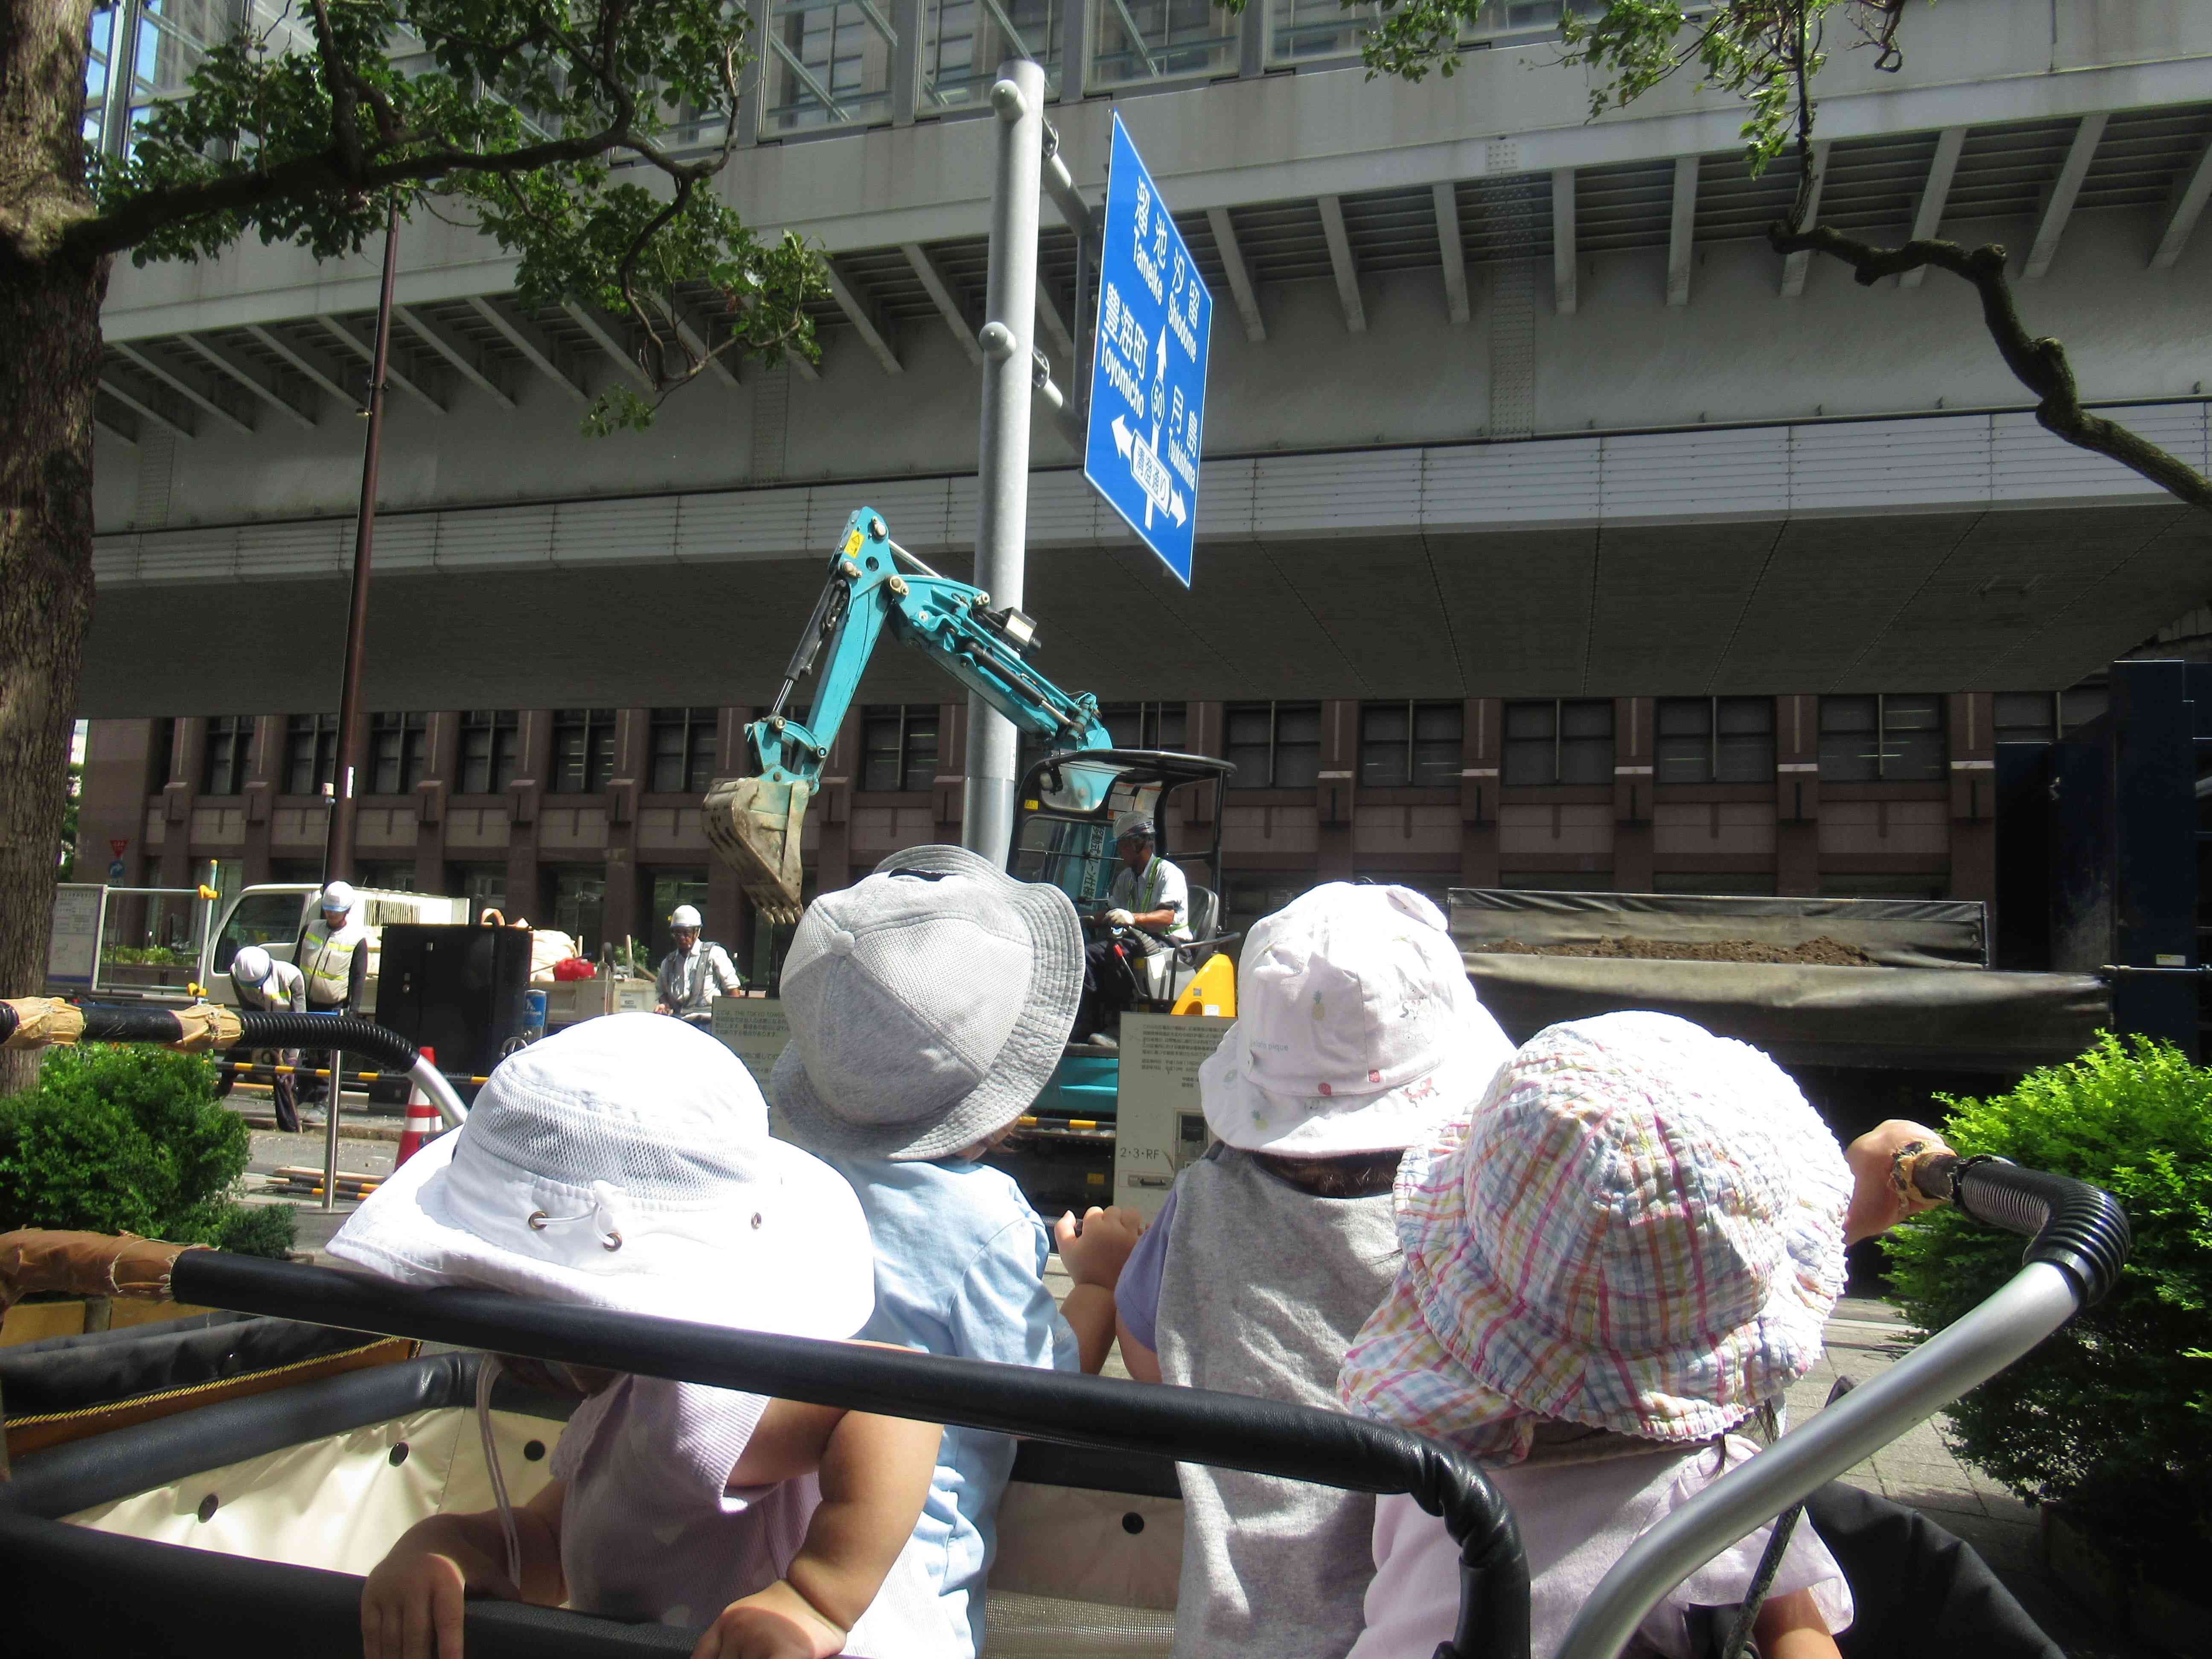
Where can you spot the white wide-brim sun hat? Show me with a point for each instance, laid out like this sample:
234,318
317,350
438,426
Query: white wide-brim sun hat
625,1163
1356,1030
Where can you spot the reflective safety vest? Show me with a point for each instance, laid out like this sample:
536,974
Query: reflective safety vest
327,959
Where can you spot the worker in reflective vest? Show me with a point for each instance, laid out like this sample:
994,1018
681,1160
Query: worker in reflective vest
1148,902
333,958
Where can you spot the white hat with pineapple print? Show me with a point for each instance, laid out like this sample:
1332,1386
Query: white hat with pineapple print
1357,1029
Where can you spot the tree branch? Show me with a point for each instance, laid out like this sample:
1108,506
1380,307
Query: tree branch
2040,364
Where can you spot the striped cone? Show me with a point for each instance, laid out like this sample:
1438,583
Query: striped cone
421,1118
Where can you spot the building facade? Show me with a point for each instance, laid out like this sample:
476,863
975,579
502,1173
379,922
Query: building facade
589,819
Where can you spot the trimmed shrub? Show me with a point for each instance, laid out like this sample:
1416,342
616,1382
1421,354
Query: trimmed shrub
129,1138
2113,1414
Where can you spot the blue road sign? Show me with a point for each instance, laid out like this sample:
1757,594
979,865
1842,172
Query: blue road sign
1148,369
115,871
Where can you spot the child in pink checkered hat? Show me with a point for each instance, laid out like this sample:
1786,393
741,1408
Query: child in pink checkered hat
1622,1255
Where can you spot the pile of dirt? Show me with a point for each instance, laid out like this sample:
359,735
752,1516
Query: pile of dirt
1820,952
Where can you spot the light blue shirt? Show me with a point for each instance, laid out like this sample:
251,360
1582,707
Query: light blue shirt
960,1259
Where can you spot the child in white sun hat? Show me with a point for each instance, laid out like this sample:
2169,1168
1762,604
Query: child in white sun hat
928,1006
626,1164
1628,1252
1358,1036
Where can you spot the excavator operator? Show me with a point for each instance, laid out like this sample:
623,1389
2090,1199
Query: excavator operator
1149,893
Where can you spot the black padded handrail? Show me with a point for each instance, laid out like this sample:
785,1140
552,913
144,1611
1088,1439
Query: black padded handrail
1195,1426
2076,1227
356,1035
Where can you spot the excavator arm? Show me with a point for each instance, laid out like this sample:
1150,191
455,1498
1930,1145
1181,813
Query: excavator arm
874,588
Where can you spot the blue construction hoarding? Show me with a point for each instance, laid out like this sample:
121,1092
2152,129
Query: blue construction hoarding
1148,368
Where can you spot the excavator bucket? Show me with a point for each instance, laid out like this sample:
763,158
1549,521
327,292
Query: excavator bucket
755,825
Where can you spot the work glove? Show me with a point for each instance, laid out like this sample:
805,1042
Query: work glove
1119,919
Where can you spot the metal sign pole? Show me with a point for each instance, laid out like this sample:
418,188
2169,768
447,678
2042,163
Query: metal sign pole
1003,495
330,1136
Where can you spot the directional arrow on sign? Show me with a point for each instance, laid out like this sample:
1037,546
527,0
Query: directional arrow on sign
1122,437
1175,507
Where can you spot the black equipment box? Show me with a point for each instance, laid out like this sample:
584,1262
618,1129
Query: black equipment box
458,989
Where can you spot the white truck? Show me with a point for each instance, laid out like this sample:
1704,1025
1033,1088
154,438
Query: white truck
274,915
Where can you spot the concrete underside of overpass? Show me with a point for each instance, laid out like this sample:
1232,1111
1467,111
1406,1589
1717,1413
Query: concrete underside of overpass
2022,598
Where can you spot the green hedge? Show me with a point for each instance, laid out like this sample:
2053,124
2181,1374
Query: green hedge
2113,1415
130,1138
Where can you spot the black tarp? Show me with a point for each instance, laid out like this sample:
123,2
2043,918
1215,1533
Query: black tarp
1895,932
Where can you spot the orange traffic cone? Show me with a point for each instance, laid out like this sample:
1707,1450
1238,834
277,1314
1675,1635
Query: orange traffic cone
421,1118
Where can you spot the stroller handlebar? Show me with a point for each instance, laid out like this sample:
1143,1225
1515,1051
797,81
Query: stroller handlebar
2074,1226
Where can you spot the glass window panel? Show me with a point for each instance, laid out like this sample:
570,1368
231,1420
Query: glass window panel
1298,744
2080,706
919,750
1310,30
1851,751
879,749
1682,747
1439,738
1586,741
2026,716
1139,41
1914,749
1531,720
1744,751
827,63
223,761
1250,728
965,41
1385,744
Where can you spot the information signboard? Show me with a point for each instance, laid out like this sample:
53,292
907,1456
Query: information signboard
75,949
1159,1125
1148,366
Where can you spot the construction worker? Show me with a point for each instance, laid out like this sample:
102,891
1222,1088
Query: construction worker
263,982
1149,901
694,973
333,959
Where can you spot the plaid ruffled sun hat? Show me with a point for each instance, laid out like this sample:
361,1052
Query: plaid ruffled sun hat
1639,1229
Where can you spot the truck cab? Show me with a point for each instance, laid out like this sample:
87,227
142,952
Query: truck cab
275,916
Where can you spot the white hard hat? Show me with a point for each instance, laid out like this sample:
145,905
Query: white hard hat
683,916
251,966
1134,824
339,896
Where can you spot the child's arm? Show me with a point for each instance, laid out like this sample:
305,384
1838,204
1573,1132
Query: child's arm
1143,1362
1093,1257
1877,1202
874,1473
411,1605
1791,1627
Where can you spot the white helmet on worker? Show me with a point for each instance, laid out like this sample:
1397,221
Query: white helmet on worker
683,916
251,966
339,899
1134,824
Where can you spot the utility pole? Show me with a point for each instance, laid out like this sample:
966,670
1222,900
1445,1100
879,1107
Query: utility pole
337,836
1009,370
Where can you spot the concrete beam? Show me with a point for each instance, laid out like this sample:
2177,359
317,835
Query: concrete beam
149,402
456,351
539,349
1340,260
2058,205
1928,217
410,382
607,333
1239,278
1681,230
2190,192
862,317
193,391
1048,317
1563,241
1454,248
1793,266
302,408
317,369
113,418
948,303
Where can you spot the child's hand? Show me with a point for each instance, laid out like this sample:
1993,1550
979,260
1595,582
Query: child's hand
778,1623
1095,1256
1878,1203
410,1606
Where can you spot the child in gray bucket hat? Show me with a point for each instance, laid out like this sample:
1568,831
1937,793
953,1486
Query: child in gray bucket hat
928,1006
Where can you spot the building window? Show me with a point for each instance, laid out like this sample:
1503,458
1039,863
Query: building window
1714,740
1567,742
311,753
1884,738
683,750
580,905
1274,745
229,749
398,752
898,746
2045,716
483,885
388,876
1146,725
1415,743
161,755
1248,898
491,751
583,751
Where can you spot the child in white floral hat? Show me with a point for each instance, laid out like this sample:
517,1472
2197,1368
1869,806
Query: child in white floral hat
1628,1250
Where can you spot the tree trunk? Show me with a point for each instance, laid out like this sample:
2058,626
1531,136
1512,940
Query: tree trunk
49,348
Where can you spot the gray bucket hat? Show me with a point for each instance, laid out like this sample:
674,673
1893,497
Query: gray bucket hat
928,1006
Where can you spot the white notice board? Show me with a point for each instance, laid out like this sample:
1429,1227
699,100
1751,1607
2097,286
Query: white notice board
754,1030
75,951
1159,1125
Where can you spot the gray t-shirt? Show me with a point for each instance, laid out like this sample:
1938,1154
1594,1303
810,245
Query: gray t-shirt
1263,1288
